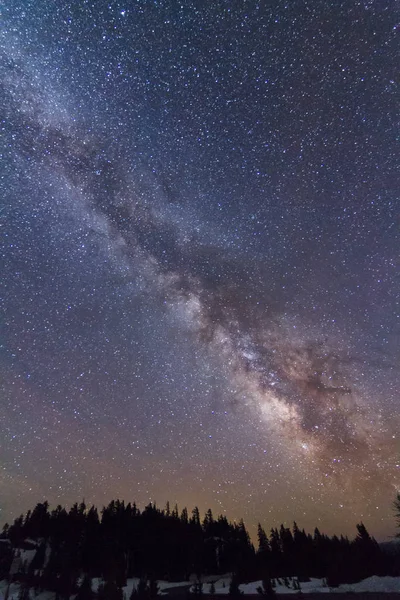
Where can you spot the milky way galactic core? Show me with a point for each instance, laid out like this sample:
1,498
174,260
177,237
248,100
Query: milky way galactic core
200,242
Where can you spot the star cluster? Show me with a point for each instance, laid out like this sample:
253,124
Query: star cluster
200,247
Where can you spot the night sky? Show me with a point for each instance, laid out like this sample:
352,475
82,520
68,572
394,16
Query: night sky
200,241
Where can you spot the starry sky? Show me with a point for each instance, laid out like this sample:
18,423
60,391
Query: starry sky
200,276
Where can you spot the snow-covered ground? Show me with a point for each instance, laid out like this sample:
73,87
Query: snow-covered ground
222,587
372,584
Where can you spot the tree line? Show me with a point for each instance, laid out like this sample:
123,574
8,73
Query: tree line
122,542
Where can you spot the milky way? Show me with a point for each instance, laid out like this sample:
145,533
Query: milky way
200,240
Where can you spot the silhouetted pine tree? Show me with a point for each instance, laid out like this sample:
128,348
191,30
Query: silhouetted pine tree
184,516
153,588
91,544
302,553
133,594
263,544
195,519
208,522
85,589
234,589
142,590
276,554
15,532
263,552
244,554
38,560
367,554
287,550
197,590
109,591
66,582
23,593
266,589
6,556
